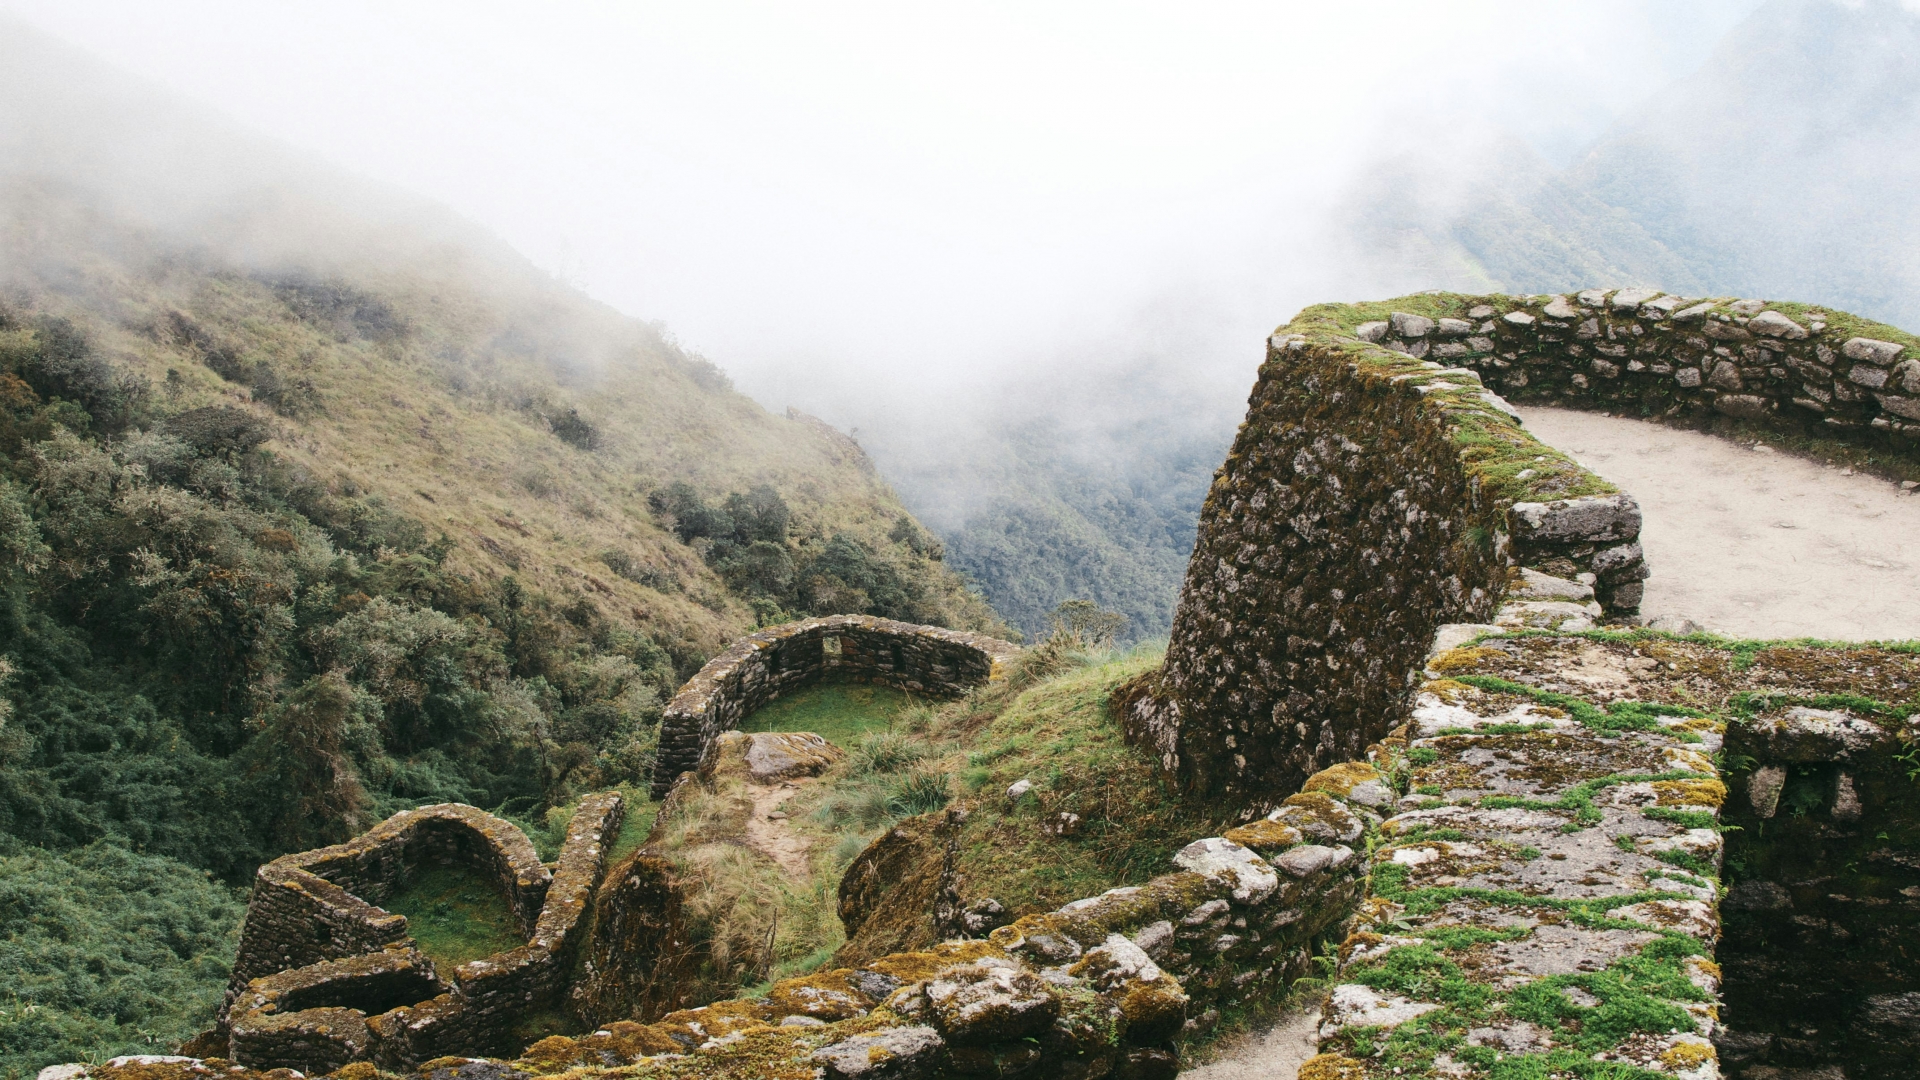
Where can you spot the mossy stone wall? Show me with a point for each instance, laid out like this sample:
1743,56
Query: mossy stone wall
307,996
763,665
1822,917
1340,532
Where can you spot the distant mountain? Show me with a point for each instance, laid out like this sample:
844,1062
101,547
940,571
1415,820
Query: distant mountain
1786,166
1076,484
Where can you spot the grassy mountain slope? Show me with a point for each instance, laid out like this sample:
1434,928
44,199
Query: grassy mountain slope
1781,168
317,503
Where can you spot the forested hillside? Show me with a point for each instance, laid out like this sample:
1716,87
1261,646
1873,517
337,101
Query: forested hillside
315,504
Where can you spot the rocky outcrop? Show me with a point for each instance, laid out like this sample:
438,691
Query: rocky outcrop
853,648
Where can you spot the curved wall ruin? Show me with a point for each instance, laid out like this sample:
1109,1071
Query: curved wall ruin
324,976
1379,489
851,648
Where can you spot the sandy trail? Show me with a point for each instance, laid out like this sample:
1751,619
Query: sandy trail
1274,1054
1755,543
775,837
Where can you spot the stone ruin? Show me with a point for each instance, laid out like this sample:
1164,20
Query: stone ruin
844,648
1514,829
324,976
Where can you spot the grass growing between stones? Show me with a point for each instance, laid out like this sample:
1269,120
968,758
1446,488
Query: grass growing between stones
838,712
1048,723
456,915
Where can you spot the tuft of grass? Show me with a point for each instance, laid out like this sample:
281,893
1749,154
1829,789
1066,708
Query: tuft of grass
886,752
921,791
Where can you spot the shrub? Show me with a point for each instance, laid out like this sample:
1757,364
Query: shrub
921,791
885,752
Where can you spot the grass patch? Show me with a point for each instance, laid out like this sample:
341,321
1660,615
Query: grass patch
456,915
838,712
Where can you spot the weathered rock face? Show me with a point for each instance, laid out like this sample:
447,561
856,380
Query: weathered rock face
1823,913
852,648
1340,532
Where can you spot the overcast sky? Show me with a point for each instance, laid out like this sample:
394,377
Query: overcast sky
912,189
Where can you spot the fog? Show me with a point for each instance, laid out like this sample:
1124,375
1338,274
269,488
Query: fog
1030,252
903,190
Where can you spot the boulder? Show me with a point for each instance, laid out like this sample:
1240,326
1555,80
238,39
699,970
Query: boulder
1370,331
1534,585
1452,328
1231,865
896,1053
1410,326
1631,299
1868,376
1593,518
990,1001
1749,406
1774,324
782,755
1900,406
1558,308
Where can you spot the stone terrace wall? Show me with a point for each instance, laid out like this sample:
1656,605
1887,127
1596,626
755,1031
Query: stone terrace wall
321,905
1660,355
1370,496
1823,915
855,648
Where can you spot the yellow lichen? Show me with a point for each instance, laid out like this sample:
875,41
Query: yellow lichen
1462,659
1331,1067
1448,690
1686,1055
1341,779
1264,836
1690,792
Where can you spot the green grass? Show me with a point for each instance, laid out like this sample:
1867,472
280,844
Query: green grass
456,915
837,712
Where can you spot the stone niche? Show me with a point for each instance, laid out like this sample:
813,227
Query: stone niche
325,976
765,664
1821,945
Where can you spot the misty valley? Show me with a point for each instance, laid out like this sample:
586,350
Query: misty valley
1132,647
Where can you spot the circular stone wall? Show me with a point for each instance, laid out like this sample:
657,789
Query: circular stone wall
850,648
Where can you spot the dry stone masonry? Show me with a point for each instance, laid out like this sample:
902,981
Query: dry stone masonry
1370,497
325,977
1823,921
1500,828
851,648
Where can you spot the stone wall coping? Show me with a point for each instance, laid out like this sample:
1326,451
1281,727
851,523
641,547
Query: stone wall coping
693,698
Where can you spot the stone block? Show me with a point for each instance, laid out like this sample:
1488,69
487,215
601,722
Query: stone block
1597,518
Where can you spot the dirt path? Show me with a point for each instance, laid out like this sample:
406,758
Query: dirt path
776,838
1274,1054
1755,543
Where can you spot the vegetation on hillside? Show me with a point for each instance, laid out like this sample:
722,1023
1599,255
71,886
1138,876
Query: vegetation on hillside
1049,723
285,551
106,952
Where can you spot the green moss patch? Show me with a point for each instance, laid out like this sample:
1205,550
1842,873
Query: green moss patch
837,712
456,915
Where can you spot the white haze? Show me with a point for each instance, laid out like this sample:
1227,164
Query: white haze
857,206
